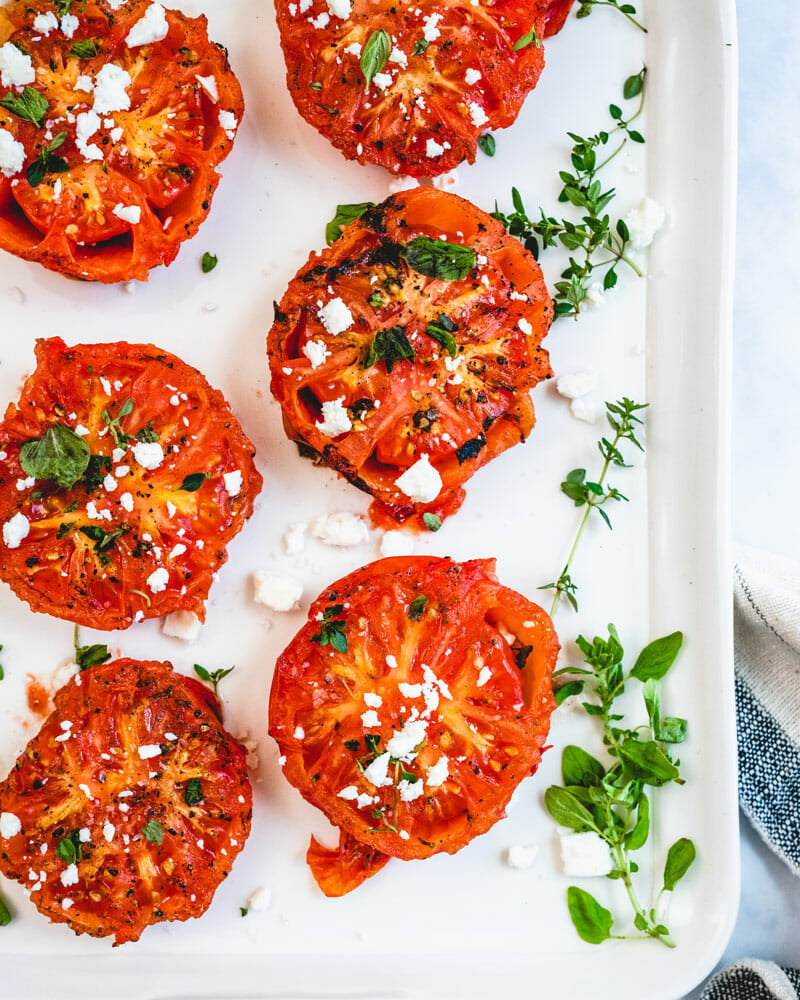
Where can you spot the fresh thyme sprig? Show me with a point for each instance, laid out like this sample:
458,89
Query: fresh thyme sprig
623,420
595,243
213,677
611,801
626,9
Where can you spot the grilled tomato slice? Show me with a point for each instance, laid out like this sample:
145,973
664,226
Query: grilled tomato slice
403,354
130,804
409,707
113,119
411,86
123,476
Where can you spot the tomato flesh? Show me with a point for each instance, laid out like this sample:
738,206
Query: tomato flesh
125,186
459,402
134,537
132,802
412,733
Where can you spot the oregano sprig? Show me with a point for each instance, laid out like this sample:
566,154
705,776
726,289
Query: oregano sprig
610,800
626,9
597,244
624,422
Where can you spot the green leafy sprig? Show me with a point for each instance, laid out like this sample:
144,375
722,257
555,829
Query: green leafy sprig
213,677
59,454
89,656
611,801
30,106
626,9
596,243
331,629
47,162
623,420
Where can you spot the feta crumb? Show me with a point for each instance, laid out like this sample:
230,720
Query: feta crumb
403,744
12,154
576,384
372,699
341,529
521,855
397,543
16,67
151,27
477,114
158,580
126,501
584,855
377,773
335,418
354,49
70,875
484,676
10,825
128,213
84,82
15,530
335,317
410,790
340,8
404,834
69,25
433,149
644,221
259,899
421,482
316,352
111,89
109,484
148,454
25,484
391,661
429,30
209,85
149,750
233,482
108,831
437,774
382,80
370,720
299,733
228,122
294,538
182,625
525,326
472,76
86,125
276,591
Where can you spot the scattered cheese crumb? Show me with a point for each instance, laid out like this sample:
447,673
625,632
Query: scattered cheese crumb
341,529
521,855
421,482
644,221
15,530
584,855
397,543
335,317
182,625
276,591
151,27
335,418
10,825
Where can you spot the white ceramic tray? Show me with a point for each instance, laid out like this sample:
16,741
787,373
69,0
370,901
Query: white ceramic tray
467,926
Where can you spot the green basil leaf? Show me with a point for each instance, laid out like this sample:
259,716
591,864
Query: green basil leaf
579,767
87,48
633,85
526,40
389,346
339,641
652,701
67,851
566,810
592,921
345,214
487,144
637,838
679,860
29,105
153,832
208,262
417,607
645,761
60,454
439,259
431,521
35,173
443,335
192,482
193,792
91,656
657,657
202,673
672,730
375,54
567,690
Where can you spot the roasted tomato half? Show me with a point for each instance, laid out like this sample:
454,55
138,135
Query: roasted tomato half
129,806
113,119
123,476
409,707
410,86
405,362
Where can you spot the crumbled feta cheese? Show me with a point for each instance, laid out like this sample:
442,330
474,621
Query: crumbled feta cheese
397,543
429,30
370,720
437,774
321,20
410,790
25,484
372,699
108,831
151,27
84,82
335,317
15,530
158,580
477,114
66,903
12,154
391,661
584,855
110,89
354,49
126,500
521,855
109,484
259,899
377,773
294,538
525,326
335,418
484,676
644,221
149,750
403,745
316,352
421,482
209,85
69,25
472,76
84,835
299,733
128,213
228,122
10,825
182,625
70,875
86,125
433,148
340,8
576,384
233,482
149,454
95,514
341,529
276,591
45,23
16,67
382,80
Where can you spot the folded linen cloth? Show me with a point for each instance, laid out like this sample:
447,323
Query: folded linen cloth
767,661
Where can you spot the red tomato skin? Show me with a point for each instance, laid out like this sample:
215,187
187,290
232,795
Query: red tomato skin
95,781
432,97
491,728
163,163
555,16
480,398
57,568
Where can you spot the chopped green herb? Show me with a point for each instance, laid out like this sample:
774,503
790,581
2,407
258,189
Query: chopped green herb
439,259
243,911
46,162
417,607
442,332
331,630
60,454
29,105
86,48
5,914
376,300
431,521
193,792
91,656
153,832
375,54
526,39
421,46
487,144
69,848
147,434
121,439
212,677
354,745
626,9
208,262
193,482
316,85
345,214
389,346
103,540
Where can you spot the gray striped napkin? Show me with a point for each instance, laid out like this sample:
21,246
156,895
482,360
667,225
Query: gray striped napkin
767,659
